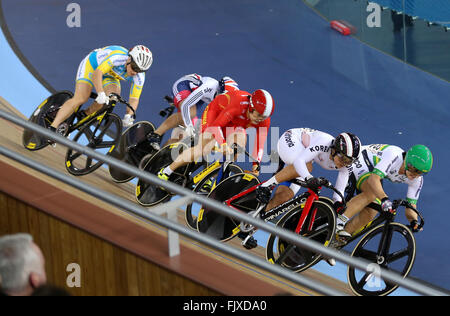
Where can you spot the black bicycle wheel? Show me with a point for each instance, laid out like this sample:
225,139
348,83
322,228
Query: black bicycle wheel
220,226
203,187
148,194
131,149
319,226
44,115
101,135
398,256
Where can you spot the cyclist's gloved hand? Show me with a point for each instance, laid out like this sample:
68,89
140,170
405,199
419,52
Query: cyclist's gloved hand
263,194
386,205
190,131
414,226
127,120
339,207
102,98
316,182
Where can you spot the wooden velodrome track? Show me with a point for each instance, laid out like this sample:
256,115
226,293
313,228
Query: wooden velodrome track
199,263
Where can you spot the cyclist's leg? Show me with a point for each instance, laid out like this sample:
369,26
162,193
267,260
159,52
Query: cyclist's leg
81,95
282,194
356,205
360,220
204,147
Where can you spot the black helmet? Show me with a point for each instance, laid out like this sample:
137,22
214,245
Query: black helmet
348,145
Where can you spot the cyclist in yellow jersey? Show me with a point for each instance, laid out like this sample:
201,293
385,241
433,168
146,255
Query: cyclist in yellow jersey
103,69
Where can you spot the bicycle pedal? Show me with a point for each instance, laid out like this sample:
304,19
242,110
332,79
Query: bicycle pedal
249,242
338,242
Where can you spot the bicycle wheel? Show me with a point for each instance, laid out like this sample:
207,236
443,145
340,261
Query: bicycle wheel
102,135
203,188
148,194
131,149
319,226
398,256
44,115
221,226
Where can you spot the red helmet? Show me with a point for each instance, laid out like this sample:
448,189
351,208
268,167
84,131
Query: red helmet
262,102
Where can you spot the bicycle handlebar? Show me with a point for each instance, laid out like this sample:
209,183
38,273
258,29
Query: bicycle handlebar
170,109
119,99
238,149
406,204
321,182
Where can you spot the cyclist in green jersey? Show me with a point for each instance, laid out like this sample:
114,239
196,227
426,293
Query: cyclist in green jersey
377,162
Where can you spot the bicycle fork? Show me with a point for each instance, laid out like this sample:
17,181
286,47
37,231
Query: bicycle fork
306,210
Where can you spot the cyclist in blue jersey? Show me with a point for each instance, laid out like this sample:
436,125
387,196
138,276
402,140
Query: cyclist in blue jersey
103,69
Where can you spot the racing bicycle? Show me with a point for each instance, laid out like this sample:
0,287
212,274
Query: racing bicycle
309,215
200,177
387,244
100,130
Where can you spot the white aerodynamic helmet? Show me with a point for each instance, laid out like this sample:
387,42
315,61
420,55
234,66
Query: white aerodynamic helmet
142,57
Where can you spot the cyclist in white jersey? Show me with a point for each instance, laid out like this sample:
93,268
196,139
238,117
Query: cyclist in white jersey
103,69
299,148
375,163
190,93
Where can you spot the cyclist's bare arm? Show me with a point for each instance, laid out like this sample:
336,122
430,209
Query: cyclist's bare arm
410,214
97,80
134,102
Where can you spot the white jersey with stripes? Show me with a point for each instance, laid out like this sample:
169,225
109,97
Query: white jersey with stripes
204,90
300,146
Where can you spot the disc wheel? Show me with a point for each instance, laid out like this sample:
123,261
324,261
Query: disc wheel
101,135
44,115
131,149
398,255
148,194
204,187
220,226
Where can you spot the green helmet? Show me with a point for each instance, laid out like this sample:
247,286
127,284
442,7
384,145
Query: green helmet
420,158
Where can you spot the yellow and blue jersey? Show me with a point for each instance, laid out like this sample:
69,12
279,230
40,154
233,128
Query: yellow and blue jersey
111,60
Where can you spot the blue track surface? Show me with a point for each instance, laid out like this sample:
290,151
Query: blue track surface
318,78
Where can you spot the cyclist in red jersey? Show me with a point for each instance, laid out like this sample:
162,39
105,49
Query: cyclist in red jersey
224,121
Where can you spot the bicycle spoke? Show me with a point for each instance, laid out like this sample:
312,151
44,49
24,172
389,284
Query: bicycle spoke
88,162
285,254
314,233
366,277
104,144
74,156
368,255
398,255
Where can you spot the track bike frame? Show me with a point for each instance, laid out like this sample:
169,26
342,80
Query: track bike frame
308,198
387,218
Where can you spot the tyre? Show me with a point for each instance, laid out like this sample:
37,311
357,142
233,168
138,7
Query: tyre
319,226
44,115
128,151
203,188
148,194
101,135
221,226
398,256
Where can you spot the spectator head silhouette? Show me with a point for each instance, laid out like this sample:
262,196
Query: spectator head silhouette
22,265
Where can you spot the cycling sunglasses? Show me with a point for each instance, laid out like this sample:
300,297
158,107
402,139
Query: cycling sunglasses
135,67
345,159
416,171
